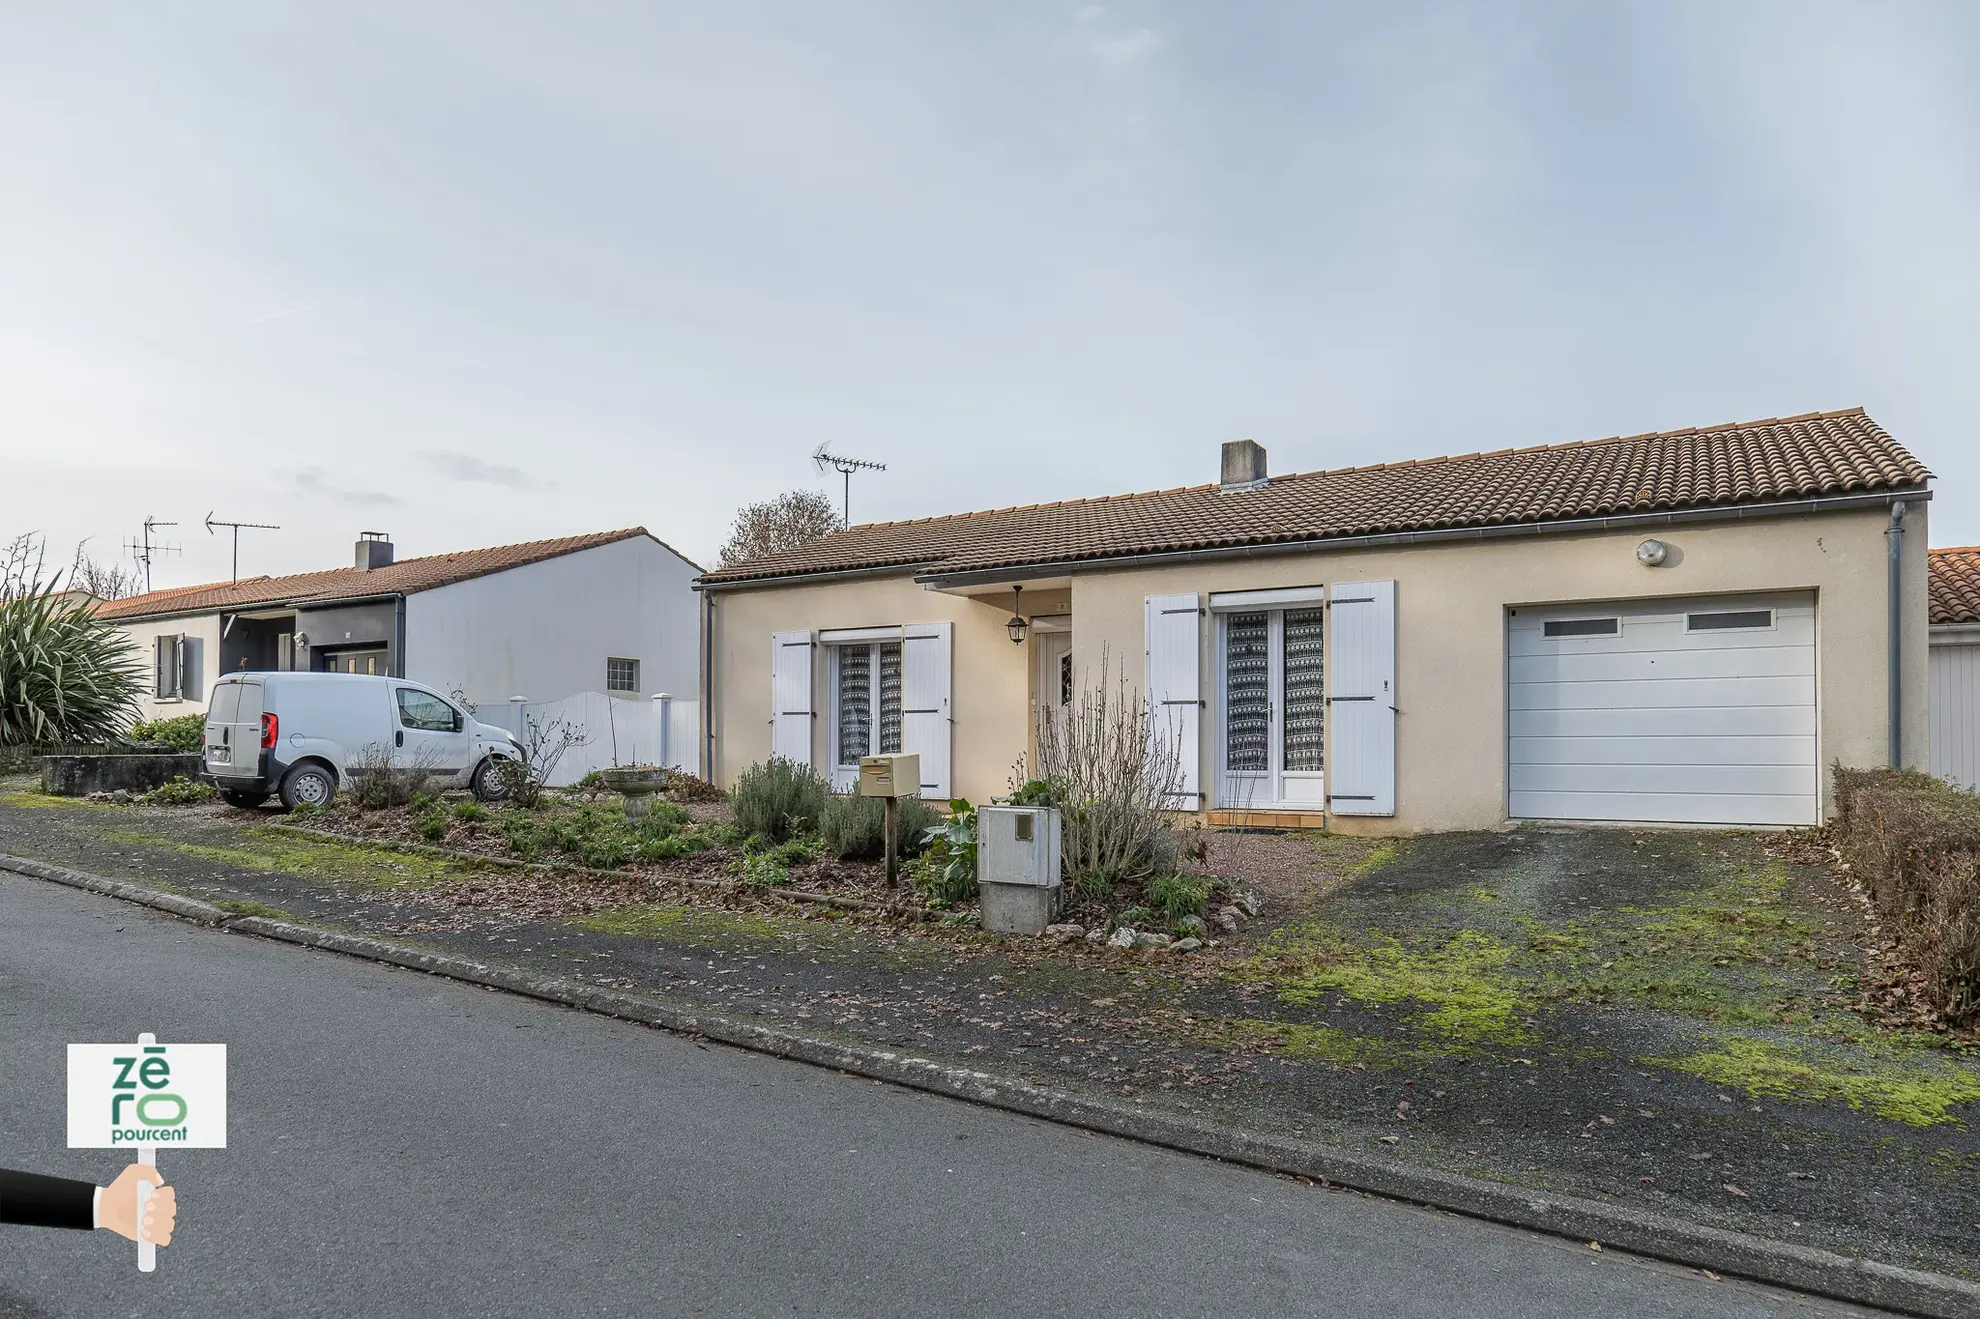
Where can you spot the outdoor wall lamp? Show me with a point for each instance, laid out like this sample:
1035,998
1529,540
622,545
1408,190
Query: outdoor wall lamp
1652,553
1017,626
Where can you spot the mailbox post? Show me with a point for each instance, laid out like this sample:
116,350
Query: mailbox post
890,778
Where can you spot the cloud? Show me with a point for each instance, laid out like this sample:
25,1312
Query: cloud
315,481
278,315
466,467
1114,46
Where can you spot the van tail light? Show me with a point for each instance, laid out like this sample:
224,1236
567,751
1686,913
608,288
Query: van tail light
271,728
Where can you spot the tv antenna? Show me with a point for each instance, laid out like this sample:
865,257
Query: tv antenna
212,522
142,549
845,467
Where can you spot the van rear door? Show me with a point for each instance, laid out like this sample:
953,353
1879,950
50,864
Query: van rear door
244,732
219,728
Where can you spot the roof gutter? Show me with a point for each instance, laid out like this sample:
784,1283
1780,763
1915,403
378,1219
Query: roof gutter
1564,527
809,578
254,607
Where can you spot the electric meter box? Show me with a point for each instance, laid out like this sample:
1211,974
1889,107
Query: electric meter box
1017,845
890,776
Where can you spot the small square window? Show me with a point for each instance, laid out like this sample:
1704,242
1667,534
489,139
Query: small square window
621,675
1580,627
1731,620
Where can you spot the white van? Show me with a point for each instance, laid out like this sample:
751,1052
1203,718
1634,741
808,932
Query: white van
300,735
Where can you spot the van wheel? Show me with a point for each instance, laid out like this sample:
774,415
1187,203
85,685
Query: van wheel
308,785
247,801
487,783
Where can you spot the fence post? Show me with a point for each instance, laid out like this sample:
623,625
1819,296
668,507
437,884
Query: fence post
663,705
516,719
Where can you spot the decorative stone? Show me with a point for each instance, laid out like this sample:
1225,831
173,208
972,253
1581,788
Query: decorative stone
1185,945
1065,932
1121,938
1227,921
1250,904
1151,940
1194,924
1098,934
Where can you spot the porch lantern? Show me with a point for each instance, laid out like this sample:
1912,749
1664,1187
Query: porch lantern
1017,626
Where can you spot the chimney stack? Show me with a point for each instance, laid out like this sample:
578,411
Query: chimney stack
373,550
1244,465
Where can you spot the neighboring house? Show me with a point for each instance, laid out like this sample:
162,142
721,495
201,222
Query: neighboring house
610,612
1956,665
1683,627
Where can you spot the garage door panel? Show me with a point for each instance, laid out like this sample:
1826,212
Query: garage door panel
1735,779
1668,808
1664,750
1661,723
1734,720
1658,693
1623,666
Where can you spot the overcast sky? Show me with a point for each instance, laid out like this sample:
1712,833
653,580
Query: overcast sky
479,273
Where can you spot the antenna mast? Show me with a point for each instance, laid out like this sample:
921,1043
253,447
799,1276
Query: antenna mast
845,467
212,522
143,549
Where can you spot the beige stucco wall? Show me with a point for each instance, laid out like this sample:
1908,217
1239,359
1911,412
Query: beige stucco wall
1451,602
991,676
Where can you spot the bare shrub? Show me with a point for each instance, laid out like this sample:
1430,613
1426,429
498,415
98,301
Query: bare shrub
783,523
378,779
1115,771
544,744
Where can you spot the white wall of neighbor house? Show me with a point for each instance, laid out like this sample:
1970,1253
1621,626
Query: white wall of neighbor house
546,630
1956,703
203,651
990,685
1451,608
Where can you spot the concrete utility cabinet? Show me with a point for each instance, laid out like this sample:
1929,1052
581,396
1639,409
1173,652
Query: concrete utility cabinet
1017,867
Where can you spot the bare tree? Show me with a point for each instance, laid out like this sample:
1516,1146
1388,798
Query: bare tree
783,523
21,566
105,581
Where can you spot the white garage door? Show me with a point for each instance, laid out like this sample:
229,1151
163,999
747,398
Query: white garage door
1687,711
1956,707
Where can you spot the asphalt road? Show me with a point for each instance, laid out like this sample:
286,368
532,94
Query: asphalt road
405,1145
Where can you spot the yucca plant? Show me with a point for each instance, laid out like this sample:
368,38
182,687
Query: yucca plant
63,677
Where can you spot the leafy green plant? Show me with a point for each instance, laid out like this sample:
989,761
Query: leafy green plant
181,732
305,809
1180,895
179,791
947,870
779,799
64,678
420,802
855,827
469,811
432,826
762,869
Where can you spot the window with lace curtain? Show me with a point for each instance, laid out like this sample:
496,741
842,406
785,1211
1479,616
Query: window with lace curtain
866,701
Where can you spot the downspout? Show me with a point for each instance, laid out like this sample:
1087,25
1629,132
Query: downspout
1895,679
708,687
399,636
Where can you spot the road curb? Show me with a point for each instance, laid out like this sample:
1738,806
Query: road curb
1801,1268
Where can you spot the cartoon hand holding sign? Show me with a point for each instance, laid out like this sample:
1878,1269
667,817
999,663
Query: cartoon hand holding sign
143,1096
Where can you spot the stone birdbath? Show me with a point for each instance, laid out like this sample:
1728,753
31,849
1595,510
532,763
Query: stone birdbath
638,784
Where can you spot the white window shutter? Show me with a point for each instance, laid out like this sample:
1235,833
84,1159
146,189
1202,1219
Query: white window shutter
1175,694
1361,697
790,696
927,712
189,674
166,666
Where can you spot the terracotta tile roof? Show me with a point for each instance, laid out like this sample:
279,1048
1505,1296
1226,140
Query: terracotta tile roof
1954,583
401,578
1828,453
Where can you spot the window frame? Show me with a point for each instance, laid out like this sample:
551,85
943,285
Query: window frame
1274,787
1548,624
1692,616
840,770
455,720
632,664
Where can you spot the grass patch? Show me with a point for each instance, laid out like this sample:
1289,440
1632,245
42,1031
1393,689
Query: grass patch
278,852
672,923
1911,1095
1306,1042
35,798
1458,982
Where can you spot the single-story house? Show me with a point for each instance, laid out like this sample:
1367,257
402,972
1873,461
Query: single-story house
1684,627
613,611
1955,587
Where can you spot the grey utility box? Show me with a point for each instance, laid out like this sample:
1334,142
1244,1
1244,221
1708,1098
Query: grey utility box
1017,867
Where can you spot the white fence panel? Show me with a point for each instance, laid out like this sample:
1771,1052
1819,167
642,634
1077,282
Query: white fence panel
609,730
